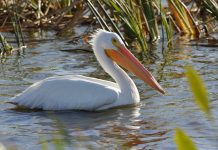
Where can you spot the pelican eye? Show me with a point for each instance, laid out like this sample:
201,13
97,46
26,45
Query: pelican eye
114,41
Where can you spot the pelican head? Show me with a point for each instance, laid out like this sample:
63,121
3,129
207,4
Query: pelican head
108,46
105,40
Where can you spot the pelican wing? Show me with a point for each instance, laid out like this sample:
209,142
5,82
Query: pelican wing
69,92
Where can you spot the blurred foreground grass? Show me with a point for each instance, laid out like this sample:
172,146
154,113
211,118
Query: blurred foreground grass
200,97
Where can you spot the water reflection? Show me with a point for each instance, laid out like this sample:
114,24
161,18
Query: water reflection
117,128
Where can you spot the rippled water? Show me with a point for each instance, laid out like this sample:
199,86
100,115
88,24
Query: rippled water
147,126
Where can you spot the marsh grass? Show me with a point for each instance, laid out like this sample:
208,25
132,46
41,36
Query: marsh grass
17,30
211,6
130,14
137,22
6,48
183,141
200,98
183,17
140,20
149,9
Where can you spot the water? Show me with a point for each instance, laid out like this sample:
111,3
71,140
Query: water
147,126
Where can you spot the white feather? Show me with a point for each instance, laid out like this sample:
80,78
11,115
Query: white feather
84,93
69,92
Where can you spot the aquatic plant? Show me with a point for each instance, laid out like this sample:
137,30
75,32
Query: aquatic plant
198,89
166,23
17,30
149,12
139,19
183,141
136,18
183,17
211,6
130,14
6,48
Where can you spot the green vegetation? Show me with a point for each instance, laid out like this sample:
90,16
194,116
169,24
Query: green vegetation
183,141
211,6
6,48
183,17
197,87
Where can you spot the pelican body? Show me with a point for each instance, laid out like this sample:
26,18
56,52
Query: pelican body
86,93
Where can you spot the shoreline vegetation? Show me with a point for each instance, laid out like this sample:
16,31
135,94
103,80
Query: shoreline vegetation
140,20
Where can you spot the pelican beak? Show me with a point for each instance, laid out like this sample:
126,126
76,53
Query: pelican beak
127,60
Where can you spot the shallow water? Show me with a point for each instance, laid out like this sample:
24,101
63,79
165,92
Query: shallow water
147,126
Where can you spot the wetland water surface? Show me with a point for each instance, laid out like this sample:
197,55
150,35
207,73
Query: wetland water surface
147,126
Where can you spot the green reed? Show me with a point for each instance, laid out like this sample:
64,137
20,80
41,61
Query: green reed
129,14
212,7
6,48
140,20
200,97
136,18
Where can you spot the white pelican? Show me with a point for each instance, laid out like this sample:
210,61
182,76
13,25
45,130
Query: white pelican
85,93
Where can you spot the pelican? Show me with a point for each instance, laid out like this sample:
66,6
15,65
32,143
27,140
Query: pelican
91,94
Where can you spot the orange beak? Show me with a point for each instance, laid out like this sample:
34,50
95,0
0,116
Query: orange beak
127,60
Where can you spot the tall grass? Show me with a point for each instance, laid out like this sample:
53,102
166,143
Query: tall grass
140,20
129,13
5,49
130,17
212,7
166,23
200,97
137,22
17,30
183,17
149,12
